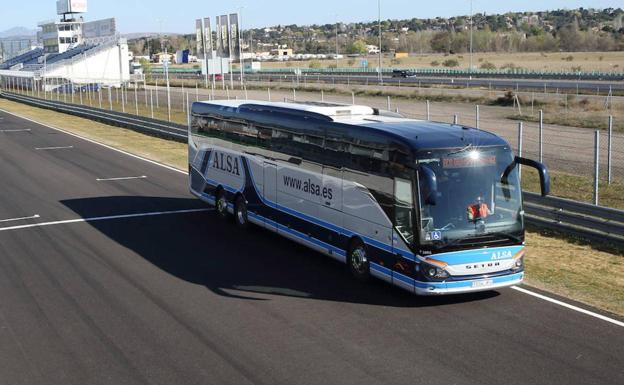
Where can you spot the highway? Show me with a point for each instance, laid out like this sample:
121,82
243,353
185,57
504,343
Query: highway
111,273
586,87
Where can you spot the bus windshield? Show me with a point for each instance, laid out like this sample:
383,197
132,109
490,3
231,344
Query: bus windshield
473,204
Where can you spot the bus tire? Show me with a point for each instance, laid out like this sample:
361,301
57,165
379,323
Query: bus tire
240,213
221,203
357,260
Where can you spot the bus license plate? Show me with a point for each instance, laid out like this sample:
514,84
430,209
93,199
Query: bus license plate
484,283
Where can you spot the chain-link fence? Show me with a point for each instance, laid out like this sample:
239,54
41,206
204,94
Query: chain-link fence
568,151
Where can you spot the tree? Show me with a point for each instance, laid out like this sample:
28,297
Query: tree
441,42
357,47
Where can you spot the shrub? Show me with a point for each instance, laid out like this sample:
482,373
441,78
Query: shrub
568,58
450,63
351,62
333,65
507,100
435,63
488,66
577,69
508,66
315,64
395,61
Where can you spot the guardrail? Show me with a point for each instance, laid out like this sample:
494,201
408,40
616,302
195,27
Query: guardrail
166,130
582,220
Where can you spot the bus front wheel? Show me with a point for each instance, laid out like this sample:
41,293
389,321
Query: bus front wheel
358,261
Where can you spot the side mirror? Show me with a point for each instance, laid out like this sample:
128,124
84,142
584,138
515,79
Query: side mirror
428,185
540,167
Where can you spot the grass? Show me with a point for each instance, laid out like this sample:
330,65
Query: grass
576,187
577,119
548,61
576,270
168,152
554,263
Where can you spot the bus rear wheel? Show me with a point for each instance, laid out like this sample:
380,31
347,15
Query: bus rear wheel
240,212
221,204
358,261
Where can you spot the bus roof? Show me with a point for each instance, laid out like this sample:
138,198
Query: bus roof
417,134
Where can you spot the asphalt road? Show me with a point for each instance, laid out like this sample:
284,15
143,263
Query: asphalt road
536,85
183,298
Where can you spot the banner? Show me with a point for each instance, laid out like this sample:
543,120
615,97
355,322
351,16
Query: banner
208,37
225,36
199,34
234,36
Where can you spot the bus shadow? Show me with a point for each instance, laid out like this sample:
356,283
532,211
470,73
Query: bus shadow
254,264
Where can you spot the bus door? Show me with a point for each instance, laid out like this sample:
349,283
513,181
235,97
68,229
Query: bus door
270,193
403,234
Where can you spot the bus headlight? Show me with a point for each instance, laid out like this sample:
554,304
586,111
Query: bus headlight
433,272
518,264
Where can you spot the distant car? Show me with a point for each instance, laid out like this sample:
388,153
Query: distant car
402,74
218,77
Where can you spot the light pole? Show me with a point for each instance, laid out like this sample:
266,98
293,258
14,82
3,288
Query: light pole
336,40
240,44
379,33
471,23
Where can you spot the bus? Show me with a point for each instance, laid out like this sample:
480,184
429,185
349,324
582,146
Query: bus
433,208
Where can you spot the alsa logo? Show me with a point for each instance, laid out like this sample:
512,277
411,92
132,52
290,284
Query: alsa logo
226,162
505,254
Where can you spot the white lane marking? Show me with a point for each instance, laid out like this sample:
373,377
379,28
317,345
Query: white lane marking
95,219
98,143
543,297
53,148
121,178
16,130
567,305
20,219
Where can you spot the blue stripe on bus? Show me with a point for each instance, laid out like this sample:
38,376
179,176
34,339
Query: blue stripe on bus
380,269
468,283
300,235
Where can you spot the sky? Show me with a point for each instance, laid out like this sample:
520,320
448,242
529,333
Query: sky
179,15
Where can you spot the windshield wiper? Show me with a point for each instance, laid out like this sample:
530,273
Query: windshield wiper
454,242
465,148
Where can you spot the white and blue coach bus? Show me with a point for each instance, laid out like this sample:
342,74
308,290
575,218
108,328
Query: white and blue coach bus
430,207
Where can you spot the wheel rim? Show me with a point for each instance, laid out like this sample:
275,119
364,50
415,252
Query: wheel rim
241,214
359,260
221,204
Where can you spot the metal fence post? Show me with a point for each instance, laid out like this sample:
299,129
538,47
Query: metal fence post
520,129
136,99
610,135
477,116
428,110
596,165
269,93
322,96
152,103
352,97
388,103
541,136
110,98
455,119
294,94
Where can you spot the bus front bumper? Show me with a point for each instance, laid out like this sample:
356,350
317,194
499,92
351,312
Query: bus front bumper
468,286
